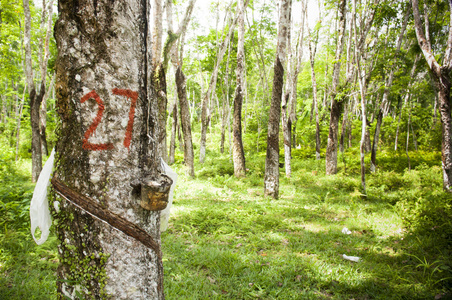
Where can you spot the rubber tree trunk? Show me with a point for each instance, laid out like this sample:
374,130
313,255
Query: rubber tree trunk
343,129
335,114
312,51
271,179
35,99
238,154
441,77
173,134
107,151
185,122
362,89
159,83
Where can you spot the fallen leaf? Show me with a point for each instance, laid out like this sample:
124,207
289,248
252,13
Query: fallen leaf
298,278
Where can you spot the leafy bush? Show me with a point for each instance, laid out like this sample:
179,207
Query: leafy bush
424,207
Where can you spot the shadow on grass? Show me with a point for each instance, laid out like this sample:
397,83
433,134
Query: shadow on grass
283,250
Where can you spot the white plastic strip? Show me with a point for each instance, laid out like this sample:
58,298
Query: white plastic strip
164,214
39,206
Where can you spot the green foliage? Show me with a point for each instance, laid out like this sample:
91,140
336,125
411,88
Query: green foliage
27,271
226,241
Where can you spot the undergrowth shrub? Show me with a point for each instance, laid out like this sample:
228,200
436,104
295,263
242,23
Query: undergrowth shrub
389,181
15,194
424,207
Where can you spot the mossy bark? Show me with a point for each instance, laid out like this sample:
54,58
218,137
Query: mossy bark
103,70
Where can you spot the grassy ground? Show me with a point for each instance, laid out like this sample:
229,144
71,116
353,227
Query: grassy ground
227,241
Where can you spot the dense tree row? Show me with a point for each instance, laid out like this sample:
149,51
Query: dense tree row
346,61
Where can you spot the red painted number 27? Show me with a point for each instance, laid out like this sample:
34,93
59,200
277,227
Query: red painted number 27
131,95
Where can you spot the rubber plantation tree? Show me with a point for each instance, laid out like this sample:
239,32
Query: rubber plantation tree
441,78
159,76
271,180
336,102
36,95
107,169
212,84
171,53
238,154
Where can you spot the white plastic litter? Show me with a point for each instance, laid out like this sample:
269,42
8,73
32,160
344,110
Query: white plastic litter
351,258
346,231
164,214
39,206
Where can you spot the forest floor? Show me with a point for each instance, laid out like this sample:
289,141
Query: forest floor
227,241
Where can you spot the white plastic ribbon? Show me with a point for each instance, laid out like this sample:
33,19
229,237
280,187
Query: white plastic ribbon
39,206
164,214
351,258
346,231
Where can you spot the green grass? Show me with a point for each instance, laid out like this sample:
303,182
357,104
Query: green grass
227,241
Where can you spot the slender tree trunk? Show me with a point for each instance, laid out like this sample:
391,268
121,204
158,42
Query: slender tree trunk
292,121
441,77
185,122
173,133
19,119
271,180
213,80
408,139
335,114
158,74
160,68
362,87
343,130
237,148
35,100
43,126
176,56
312,51
223,123
43,121
107,160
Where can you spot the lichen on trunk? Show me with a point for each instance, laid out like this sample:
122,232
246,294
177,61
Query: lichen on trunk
106,144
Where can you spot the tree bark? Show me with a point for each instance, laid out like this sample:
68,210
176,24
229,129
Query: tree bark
106,150
185,122
173,133
158,74
335,114
237,148
441,77
362,88
271,180
343,129
177,60
35,99
19,121
312,52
